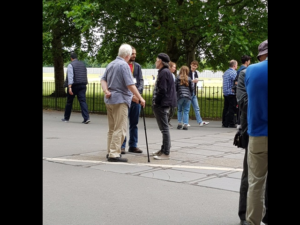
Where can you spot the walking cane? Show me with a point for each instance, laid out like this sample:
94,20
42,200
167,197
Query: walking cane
145,132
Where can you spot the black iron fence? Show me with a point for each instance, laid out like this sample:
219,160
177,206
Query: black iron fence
210,100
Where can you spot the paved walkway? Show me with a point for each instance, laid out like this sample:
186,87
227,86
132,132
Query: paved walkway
201,156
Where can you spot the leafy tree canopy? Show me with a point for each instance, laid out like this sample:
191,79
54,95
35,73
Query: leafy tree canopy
214,30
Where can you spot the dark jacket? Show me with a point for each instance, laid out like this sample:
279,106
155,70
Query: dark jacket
164,93
242,99
182,90
79,72
137,74
195,76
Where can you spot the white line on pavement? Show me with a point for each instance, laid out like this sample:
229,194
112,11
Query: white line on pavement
144,164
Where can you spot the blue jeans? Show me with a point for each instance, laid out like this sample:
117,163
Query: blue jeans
183,110
80,91
133,116
196,108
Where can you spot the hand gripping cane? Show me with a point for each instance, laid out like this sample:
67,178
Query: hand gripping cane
145,132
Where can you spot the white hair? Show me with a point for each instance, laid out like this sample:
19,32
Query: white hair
125,50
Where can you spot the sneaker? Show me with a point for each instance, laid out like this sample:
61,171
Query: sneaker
179,126
170,125
203,123
64,120
157,153
188,125
162,157
185,127
86,121
117,159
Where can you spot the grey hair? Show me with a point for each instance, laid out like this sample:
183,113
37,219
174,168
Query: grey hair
125,50
232,63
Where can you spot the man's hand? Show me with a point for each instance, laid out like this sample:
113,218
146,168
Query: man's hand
195,80
70,91
107,94
143,102
135,99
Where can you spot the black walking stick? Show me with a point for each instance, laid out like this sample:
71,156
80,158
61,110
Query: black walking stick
145,132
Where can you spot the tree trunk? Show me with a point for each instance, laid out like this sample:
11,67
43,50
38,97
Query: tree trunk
190,56
58,63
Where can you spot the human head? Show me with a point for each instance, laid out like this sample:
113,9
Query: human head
262,51
172,67
184,70
246,60
162,60
233,64
194,65
183,75
133,54
73,55
125,51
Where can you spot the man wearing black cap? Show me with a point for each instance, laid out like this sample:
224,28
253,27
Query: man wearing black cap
256,84
164,97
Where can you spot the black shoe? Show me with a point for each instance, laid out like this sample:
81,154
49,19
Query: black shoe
224,126
86,121
123,151
134,150
232,126
117,159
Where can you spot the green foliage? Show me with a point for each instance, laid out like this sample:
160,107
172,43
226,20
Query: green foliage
186,30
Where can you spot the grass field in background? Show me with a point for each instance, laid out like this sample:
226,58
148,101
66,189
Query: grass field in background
207,82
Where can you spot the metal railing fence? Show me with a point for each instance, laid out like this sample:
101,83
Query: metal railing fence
210,100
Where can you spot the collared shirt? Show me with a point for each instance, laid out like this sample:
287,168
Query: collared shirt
228,78
118,76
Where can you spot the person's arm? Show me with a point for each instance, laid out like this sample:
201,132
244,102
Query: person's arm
105,88
70,78
195,77
137,94
141,83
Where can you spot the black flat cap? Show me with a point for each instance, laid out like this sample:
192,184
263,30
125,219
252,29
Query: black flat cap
164,57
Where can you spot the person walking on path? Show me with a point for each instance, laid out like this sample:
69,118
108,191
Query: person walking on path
76,81
164,97
242,100
194,77
119,87
184,89
135,107
256,83
230,102
172,67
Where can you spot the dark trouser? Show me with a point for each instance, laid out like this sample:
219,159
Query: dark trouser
171,113
229,110
244,189
133,116
161,115
80,91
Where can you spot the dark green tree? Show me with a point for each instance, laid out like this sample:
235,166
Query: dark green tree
60,37
214,30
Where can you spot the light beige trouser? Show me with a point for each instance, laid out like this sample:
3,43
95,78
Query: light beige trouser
117,115
257,174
